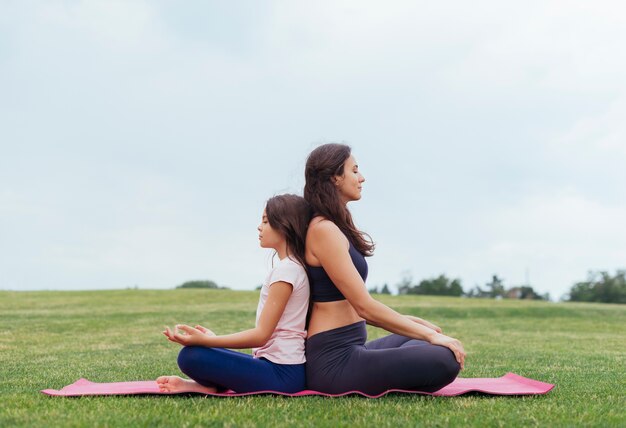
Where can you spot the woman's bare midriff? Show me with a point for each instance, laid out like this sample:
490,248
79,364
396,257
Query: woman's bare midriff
328,315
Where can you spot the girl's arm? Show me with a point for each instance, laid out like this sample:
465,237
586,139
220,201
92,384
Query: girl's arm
329,245
275,304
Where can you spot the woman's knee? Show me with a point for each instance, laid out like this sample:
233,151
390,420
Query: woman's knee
449,367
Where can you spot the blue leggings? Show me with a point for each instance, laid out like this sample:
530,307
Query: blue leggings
226,369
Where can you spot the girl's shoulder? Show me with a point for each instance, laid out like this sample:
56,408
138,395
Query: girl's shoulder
290,264
289,270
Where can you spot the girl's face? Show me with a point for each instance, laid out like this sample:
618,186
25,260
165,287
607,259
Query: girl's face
268,236
350,183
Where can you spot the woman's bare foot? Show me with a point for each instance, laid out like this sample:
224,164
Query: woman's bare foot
176,384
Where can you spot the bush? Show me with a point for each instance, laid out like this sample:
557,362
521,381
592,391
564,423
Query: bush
201,284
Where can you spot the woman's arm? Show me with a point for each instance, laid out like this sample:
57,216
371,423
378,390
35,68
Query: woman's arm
417,320
329,246
275,304
424,323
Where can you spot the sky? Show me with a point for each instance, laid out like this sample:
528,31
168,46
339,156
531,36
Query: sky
139,140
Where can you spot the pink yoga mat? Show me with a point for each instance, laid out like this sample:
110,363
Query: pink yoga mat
509,384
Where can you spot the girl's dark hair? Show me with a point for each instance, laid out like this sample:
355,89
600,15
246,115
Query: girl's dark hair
324,163
290,215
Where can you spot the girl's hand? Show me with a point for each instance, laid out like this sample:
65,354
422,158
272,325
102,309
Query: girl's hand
205,330
453,344
185,335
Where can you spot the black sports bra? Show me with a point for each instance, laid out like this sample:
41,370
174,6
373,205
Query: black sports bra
322,287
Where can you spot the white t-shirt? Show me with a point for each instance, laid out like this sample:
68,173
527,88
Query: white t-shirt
286,345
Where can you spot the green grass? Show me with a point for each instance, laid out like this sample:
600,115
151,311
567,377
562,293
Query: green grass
50,339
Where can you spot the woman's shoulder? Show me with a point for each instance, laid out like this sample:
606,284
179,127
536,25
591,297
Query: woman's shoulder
324,235
322,226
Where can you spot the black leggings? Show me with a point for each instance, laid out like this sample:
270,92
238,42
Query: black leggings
339,360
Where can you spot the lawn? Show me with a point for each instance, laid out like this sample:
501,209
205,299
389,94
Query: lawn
50,339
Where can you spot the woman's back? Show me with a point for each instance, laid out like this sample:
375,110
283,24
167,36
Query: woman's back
330,309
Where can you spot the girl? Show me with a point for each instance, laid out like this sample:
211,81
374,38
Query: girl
277,363
418,357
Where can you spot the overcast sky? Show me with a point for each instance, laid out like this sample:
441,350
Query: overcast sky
140,139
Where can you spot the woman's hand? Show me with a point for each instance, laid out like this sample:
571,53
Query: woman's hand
424,323
453,344
186,335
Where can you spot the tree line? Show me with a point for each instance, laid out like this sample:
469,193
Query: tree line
444,286
599,287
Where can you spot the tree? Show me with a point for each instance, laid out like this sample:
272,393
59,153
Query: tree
383,290
477,292
496,287
440,286
600,287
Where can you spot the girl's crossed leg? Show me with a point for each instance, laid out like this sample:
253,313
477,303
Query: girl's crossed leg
217,369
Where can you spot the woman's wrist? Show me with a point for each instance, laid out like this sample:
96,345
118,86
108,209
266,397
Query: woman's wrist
432,335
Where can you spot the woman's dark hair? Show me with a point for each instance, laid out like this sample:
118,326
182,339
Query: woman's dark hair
324,163
290,215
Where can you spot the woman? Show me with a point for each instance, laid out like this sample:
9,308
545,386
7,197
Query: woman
417,356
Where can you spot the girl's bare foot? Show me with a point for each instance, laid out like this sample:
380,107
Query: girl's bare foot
174,384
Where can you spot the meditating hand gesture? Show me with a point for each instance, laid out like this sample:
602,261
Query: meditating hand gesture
186,335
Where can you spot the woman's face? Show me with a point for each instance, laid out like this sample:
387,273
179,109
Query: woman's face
268,236
350,183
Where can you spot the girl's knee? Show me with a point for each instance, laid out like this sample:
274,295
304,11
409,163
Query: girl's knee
189,357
